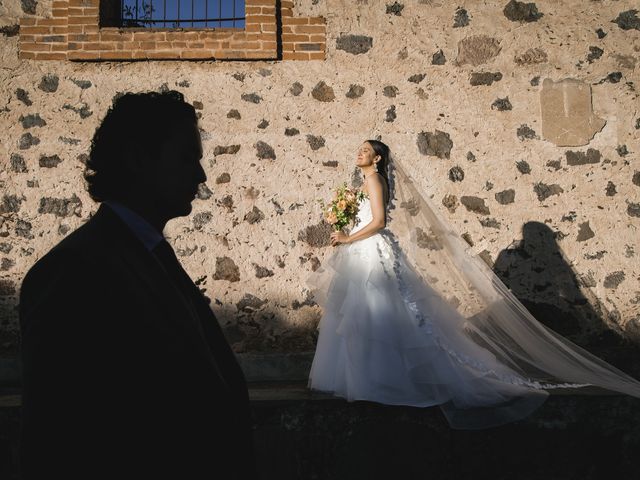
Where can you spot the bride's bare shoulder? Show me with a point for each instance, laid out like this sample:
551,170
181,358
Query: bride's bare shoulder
373,180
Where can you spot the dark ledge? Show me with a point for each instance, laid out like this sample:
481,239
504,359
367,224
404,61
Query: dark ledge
300,434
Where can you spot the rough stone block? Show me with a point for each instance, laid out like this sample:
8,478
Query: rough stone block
567,114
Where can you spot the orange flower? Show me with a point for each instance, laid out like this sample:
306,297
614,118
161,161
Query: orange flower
342,205
331,218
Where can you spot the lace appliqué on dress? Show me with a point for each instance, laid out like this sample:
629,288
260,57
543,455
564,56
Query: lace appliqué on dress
426,324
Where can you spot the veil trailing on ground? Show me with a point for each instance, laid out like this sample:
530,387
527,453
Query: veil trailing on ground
493,318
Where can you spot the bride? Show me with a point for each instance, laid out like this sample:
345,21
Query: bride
412,318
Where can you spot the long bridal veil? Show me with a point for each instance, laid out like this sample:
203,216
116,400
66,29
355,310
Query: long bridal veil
493,318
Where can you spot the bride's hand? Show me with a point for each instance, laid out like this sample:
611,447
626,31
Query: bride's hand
338,237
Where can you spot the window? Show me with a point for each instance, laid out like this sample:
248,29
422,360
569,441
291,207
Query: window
173,13
89,30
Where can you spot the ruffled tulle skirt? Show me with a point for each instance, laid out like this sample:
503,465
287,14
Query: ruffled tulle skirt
386,336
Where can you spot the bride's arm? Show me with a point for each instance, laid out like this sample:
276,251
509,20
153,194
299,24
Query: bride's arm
377,223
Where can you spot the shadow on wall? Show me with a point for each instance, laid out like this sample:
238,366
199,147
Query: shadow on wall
539,276
257,325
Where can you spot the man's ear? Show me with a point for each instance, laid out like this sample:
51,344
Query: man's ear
136,161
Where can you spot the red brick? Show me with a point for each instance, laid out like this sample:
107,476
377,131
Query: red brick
116,36
220,35
268,10
267,36
124,55
147,45
309,47
139,54
260,19
286,4
93,46
53,39
290,37
35,30
261,55
196,54
317,21
83,20
79,37
172,36
81,55
318,38
309,29
149,36
231,54
59,47
84,3
59,13
286,12
266,3
35,47
211,45
26,55
75,29
317,56
252,10
253,27
269,45
51,56
59,4
245,45
288,47
295,56
195,45
164,55
190,36
295,21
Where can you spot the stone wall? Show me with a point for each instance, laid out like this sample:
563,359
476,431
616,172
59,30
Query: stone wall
521,122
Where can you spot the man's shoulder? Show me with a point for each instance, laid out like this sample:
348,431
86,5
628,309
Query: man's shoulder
84,249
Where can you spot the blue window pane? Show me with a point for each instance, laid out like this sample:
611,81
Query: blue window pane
183,13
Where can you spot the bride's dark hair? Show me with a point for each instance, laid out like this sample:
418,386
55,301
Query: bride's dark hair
383,164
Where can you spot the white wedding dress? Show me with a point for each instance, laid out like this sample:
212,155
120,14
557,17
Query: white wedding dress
387,336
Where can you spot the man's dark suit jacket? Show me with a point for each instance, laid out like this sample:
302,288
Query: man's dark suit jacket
124,377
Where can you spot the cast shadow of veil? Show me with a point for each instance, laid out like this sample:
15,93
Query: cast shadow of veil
541,279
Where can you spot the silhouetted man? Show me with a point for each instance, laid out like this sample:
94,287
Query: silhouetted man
126,373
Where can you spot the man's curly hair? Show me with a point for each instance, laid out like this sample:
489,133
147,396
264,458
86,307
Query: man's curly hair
136,122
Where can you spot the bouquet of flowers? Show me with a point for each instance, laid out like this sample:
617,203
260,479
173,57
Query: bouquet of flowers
343,208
